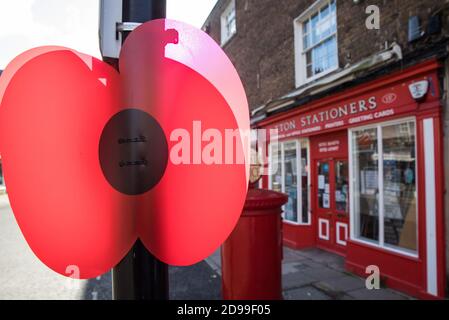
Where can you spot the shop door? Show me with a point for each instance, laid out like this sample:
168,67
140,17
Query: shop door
332,203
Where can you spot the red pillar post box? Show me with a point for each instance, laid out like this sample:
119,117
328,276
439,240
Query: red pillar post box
251,257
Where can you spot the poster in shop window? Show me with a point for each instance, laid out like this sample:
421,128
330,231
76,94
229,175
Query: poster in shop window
326,201
321,182
369,182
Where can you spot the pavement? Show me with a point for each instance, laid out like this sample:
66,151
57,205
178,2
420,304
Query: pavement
307,275
24,277
314,274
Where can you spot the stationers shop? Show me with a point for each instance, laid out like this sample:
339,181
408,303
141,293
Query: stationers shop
363,169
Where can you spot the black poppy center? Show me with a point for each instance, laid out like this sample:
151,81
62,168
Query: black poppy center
133,152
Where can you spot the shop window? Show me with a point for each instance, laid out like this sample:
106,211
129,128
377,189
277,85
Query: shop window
228,23
316,50
341,186
324,201
289,173
384,205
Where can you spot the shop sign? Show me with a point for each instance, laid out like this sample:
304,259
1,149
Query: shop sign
329,146
379,105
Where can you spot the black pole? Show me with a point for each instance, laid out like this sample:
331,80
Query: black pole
142,11
140,276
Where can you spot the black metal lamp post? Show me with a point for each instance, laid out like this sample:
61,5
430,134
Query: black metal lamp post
139,276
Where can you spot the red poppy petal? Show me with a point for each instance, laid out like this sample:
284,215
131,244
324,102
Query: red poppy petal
195,206
53,112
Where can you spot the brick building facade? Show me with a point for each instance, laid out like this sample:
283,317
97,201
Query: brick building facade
295,55
263,52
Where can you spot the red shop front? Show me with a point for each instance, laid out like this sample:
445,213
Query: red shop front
363,170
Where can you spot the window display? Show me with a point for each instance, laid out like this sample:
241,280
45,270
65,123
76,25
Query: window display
365,172
291,181
289,173
275,168
323,185
399,185
305,182
341,186
384,185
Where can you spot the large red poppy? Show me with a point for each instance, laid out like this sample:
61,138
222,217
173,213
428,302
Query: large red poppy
87,150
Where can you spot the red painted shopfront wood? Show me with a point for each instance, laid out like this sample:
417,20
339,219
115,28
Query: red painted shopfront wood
335,125
330,190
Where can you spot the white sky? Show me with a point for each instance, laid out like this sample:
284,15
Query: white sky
25,24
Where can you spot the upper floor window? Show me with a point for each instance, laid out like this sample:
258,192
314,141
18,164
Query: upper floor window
228,22
316,41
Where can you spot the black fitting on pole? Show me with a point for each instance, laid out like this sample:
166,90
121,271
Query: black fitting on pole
140,275
142,11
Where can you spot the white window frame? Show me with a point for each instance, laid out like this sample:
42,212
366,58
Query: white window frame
300,54
225,36
381,243
300,143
